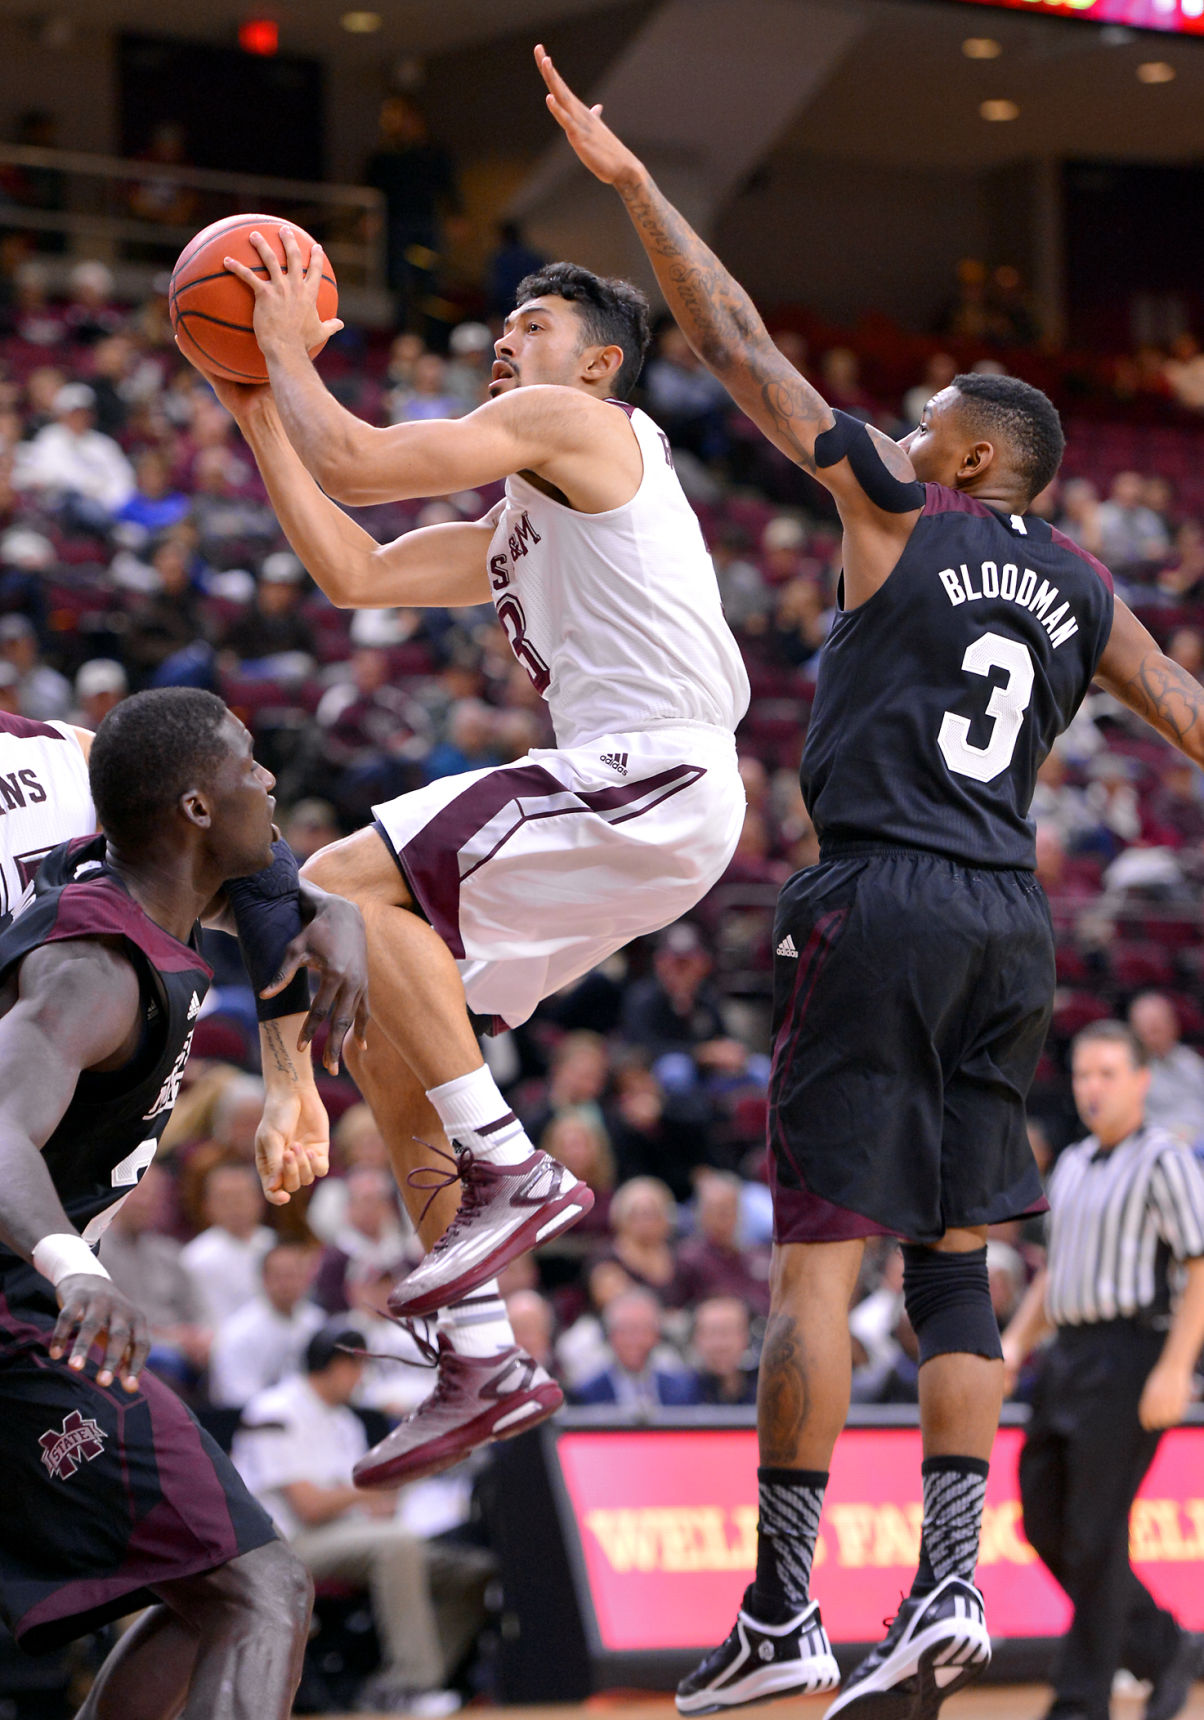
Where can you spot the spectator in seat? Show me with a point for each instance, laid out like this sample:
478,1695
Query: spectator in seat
272,637
533,1322
224,1262
712,1263
1131,534
262,1342
631,1382
296,1449
309,825
1175,807
578,1140
1175,1100
1183,575
643,1220
721,1347
355,1142
100,684
43,692
155,503
1080,515
82,474
675,1008
370,1236
146,1264
873,1320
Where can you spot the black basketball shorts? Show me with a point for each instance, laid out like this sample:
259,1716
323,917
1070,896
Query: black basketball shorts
912,996
107,1493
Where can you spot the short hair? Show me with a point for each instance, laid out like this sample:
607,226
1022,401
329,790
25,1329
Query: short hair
613,312
328,1343
1023,417
147,752
1113,1033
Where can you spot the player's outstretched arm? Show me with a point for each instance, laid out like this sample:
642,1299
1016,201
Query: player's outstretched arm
714,312
1135,670
76,1007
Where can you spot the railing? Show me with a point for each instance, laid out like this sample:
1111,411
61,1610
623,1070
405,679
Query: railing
95,214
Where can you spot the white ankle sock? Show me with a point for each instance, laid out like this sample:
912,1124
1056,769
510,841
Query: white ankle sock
474,1113
478,1325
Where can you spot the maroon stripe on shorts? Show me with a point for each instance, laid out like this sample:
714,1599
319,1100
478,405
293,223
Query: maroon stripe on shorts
428,859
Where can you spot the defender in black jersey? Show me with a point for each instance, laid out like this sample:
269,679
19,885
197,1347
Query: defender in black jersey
116,1498
914,967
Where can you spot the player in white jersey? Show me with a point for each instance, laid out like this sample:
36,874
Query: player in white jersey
44,797
503,885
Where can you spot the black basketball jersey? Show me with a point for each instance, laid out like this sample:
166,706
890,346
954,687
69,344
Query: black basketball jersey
938,699
111,1128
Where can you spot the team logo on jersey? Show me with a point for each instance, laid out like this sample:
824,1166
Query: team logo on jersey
615,761
194,1008
169,1091
788,947
79,1440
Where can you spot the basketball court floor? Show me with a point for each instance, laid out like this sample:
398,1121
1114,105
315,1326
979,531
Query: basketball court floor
985,1702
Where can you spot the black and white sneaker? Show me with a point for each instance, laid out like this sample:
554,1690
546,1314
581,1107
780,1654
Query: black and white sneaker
759,1662
936,1643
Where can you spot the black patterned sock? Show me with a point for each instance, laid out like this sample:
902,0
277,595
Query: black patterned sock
790,1501
954,1491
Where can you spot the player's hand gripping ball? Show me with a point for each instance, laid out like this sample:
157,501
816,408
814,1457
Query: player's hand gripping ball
212,310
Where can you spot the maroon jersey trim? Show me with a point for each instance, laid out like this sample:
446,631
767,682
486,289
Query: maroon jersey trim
938,499
102,909
25,727
1092,561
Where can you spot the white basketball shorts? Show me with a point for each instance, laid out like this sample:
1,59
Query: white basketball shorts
534,872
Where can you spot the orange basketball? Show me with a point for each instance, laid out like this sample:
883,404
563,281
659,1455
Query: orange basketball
211,309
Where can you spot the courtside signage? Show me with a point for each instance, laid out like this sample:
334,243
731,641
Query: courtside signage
1185,16
667,1524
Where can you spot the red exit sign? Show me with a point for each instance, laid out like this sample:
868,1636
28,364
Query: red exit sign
1186,17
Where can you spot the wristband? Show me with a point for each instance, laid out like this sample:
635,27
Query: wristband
267,912
65,1255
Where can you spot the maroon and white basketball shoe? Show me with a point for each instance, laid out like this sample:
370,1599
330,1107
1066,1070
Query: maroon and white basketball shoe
477,1398
504,1211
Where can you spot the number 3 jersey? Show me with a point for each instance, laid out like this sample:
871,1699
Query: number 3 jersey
938,699
616,616
111,1128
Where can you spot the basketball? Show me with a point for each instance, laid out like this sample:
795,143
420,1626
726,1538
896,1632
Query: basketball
211,309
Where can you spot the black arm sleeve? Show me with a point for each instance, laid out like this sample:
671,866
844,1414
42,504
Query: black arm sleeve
849,439
267,912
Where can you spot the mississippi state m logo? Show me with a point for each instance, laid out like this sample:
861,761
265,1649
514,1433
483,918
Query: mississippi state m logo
78,1441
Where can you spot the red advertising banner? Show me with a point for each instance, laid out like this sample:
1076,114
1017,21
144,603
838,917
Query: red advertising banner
1186,16
667,1522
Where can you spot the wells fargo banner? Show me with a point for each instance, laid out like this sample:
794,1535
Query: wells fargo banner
1183,15
667,1522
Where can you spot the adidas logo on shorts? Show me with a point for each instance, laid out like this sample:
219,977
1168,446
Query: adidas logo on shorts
787,947
615,761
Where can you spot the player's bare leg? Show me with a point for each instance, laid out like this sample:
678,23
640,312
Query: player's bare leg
250,1619
512,1196
147,1673
487,1387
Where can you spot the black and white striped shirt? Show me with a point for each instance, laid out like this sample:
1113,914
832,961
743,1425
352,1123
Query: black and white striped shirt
1117,1220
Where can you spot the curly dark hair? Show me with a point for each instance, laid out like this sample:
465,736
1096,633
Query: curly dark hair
147,752
614,313
1023,418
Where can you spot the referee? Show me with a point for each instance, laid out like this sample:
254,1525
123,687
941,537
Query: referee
1126,1233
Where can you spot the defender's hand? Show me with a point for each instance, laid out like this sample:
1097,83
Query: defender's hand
286,303
334,945
292,1142
93,1308
597,146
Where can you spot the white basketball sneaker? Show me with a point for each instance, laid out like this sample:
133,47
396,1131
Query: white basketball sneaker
936,1643
758,1662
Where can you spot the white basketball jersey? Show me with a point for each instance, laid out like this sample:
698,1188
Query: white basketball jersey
616,616
44,798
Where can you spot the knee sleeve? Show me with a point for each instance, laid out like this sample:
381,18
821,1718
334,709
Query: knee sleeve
948,1301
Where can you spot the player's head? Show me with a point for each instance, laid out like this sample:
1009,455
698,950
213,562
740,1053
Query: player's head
173,765
1111,1077
574,329
989,426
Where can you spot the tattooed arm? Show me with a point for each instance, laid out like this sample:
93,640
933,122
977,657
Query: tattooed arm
292,1142
1142,676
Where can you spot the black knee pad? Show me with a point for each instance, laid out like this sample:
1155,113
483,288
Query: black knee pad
948,1301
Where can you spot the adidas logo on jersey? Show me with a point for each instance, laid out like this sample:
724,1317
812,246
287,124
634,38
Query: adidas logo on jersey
194,1008
615,761
787,947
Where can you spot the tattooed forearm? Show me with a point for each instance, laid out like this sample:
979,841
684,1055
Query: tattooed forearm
271,1044
723,326
782,1393
1170,700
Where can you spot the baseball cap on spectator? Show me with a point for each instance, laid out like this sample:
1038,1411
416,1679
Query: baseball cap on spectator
783,532
15,627
22,547
328,1342
682,939
74,397
281,568
100,675
9,674
470,337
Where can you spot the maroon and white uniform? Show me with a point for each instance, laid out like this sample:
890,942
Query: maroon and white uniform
534,872
44,798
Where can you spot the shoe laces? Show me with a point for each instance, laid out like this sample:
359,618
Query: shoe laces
432,1180
425,1342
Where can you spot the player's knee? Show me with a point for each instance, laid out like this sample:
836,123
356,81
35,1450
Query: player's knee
948,1301
271,1588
